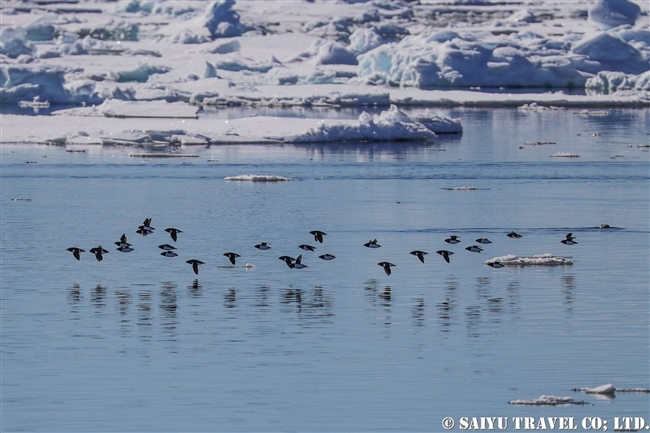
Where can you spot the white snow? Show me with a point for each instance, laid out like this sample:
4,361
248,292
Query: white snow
321,53
546,259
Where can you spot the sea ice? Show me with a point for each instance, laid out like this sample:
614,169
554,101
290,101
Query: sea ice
536,260
612,13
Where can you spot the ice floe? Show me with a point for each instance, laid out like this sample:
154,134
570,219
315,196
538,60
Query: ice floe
257,178
565,155
546,259
548,400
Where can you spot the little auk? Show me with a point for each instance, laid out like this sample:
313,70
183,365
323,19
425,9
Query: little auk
372,244
445,254
318,235
98,251
173,232
419,254
232,257
75,252
453,239
386,266
195,265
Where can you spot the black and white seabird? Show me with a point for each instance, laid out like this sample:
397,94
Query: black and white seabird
372,244
570,240
495,265
453,239
125,248
166,247
98,252
144,231
195,265
318,235
146,225
605,226
474,249
419,254
263,246
386,266
122,242
288,260
327,256
484,241
297,264
306,247
231,257
75,252
513,235
173,232
445,254
168,253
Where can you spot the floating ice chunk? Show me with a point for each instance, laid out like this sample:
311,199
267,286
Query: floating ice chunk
390,125
210,70
333,53
613,13
258,178
224,47
217,21
438,124
603,389
536,260
448,58
533,106
608,81
23,82
547,400
140,74
523,15
13,42
612,52
364,40
565,155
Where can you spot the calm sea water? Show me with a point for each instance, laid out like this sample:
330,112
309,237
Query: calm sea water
137,342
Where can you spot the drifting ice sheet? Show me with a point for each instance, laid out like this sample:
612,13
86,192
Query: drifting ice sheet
536,260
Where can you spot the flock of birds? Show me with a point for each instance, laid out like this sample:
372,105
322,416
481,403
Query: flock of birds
293,263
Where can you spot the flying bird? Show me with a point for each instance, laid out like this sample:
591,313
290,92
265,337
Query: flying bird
474,249
306,247
483,241
166,247
327,256
75,252
297,264
513,235
98,252
263,246
453,239
288,260
445,254
372,244
318,235
419,254
195,265
168,253
174,233
232,257
570,240
386,266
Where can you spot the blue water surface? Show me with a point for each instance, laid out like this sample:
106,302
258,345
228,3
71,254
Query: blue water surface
138,342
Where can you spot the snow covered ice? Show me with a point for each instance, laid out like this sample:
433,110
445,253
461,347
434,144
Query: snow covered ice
321,53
